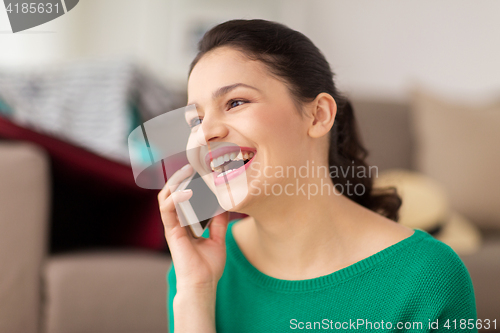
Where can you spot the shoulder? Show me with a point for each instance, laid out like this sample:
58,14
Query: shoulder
441,257
431,276
447,283
417,250
438,264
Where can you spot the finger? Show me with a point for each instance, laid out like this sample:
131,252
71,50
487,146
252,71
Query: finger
218,227
176,179
179,241
169,213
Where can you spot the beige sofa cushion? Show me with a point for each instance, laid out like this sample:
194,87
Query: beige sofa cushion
384,128
106,292
459,145
484,270
24,220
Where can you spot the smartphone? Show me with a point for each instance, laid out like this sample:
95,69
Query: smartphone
197,212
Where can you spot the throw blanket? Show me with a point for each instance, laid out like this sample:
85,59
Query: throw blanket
94,105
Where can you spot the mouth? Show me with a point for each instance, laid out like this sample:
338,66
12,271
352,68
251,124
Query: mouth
227,163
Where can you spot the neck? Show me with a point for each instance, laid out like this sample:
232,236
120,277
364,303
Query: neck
296,237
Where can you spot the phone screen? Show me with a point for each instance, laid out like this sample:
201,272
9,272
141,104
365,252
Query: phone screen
203,200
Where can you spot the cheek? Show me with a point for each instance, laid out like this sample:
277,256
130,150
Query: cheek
280,126
279,133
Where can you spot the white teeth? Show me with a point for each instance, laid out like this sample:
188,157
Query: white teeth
216,162
224,173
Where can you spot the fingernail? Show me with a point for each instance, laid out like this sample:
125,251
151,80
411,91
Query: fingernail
187,191
186,167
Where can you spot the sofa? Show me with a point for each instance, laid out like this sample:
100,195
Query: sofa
104,290
87,291
411,136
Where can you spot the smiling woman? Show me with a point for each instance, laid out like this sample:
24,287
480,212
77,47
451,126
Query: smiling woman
309,251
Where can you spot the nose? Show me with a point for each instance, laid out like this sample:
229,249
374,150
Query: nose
212,128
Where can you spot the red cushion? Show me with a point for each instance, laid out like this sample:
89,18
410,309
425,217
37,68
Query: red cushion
96,202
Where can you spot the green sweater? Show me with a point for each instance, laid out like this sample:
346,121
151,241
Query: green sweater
416,282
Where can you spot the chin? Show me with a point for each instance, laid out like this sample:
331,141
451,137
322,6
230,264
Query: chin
233,193
241,207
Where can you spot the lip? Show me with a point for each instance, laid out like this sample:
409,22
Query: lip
226,178
221,151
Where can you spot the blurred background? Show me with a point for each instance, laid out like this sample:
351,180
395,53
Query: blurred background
81,246
376,49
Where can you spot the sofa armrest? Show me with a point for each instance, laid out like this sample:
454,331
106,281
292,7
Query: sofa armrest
102,291
24,218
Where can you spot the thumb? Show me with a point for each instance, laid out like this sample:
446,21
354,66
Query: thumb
218,227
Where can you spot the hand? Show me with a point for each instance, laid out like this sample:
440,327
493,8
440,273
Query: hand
199,263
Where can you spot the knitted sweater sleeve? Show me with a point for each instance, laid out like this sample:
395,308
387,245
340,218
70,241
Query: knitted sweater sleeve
456,304
172,290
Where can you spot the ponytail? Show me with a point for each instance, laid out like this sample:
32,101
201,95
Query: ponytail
348,154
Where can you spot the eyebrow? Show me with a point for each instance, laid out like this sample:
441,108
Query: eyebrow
226,89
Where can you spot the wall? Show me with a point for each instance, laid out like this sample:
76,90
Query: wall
377,48
384,47
156,33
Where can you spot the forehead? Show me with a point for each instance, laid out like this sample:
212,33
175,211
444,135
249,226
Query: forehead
224,66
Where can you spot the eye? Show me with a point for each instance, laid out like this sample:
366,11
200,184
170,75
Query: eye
235,102
195,122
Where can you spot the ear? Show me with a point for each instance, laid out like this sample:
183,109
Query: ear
323,112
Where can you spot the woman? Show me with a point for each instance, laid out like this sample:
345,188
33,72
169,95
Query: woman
320,251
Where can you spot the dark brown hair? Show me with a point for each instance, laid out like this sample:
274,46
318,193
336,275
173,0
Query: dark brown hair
293,58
